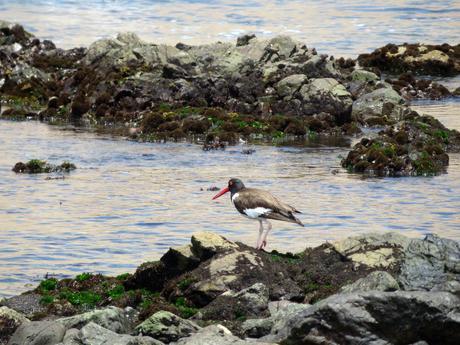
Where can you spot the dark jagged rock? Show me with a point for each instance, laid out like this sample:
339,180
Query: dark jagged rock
420,59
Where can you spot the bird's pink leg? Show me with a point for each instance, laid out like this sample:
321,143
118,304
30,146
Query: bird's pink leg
264,238
261,230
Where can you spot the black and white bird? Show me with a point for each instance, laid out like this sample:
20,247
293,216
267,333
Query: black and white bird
260,205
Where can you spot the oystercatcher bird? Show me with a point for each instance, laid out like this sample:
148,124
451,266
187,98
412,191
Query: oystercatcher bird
260,205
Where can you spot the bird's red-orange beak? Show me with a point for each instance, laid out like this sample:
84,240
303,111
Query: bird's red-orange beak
222,192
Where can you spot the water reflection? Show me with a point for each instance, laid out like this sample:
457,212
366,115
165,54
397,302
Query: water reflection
341,28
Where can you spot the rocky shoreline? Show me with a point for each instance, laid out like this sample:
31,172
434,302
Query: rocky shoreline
252,90
374,288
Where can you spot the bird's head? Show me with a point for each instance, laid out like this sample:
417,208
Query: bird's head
234,186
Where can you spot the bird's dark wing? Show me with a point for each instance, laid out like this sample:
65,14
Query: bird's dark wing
251,198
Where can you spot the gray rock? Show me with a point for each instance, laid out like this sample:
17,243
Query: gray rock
93,334
72,337
375,281
371,318
279,311
10,320
112,318
255,297
429,262
256,328
325,95
382,102
422,263
362,75
38,333
216,335
27,304
166,327
452,286
290,84
374,249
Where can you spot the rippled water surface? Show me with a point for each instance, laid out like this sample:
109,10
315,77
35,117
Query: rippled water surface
344,28
128,202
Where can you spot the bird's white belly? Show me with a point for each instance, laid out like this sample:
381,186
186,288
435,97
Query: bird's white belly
255,213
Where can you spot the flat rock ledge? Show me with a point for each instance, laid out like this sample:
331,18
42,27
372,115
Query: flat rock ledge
215,291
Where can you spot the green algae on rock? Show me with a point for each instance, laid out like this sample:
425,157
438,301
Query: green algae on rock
421,59
36,166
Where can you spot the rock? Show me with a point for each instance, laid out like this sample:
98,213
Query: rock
381,102
418,145
279,311
112,318
36,166
10,320
244,40
370,317
166,327
257,328
181,259
94,334
422,264
254,297
291,84
375,281
27,304
362,75
374,249
231,305
326,95
421,59
25,80
452,286
206,244
38,333
234,267
153,275
430,262
216,334
71,337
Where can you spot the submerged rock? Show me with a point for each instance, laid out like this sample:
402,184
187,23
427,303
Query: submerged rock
36,166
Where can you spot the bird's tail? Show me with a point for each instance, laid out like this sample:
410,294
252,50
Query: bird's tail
297,220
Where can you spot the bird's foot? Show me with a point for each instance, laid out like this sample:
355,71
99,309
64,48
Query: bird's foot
264,244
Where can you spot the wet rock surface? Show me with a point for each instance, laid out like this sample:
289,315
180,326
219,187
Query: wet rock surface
218,291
